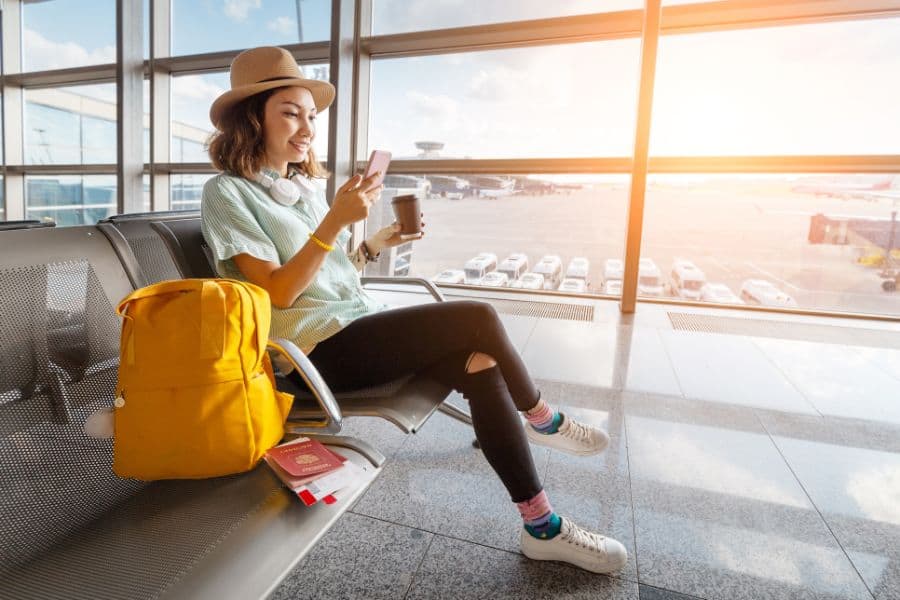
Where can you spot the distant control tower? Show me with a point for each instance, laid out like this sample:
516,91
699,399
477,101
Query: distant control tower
429,149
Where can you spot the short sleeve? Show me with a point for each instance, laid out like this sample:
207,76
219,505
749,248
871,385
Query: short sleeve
230,227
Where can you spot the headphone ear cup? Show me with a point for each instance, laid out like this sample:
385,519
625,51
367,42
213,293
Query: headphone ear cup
284,192
304,183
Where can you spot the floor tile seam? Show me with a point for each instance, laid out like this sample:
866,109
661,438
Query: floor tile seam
685,594
668,354
878,367
637,568
818,511
787,378
412,578
529,336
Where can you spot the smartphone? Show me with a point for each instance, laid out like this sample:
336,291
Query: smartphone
378,161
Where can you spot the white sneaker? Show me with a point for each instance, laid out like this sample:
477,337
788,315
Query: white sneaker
590,551
573,437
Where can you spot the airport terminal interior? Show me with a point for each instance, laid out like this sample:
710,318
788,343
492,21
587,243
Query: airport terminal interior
685,213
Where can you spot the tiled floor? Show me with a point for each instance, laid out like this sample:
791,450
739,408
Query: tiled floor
739,467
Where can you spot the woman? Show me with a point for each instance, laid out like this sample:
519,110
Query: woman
267,222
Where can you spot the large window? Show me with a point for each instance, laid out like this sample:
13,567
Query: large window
70,200
783,241
827,88
187,190
525,102
68,33
199,27
71,125
531,232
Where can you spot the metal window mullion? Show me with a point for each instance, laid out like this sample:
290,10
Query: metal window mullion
311,52
129,107
13,121
362,70
160,105
872,163
340,117
635,221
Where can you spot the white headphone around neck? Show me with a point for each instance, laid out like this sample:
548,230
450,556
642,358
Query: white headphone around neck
286,191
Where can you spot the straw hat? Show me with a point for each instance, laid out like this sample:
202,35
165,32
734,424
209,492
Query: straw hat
260,69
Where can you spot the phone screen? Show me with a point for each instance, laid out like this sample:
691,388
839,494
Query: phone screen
378,161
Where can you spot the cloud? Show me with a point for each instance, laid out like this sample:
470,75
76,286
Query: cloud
43,54
237,10
283,25
195,87
439,108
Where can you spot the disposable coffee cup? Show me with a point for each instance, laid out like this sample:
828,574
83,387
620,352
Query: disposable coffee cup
408,214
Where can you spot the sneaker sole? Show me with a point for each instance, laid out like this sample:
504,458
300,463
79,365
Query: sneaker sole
541,440
551,556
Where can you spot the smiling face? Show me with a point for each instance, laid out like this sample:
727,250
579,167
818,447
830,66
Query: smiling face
289,127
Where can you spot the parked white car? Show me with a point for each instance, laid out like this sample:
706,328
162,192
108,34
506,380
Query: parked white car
687,279
529,281
495,279
450,276
569,284
760,291
650,281
719,292
613,287
613,268
578,268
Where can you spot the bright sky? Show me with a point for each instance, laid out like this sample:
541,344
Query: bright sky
815,89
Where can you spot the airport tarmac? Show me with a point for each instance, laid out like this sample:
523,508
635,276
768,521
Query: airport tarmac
732,230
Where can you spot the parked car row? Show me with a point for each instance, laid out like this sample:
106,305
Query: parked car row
686,280
486,186
513,271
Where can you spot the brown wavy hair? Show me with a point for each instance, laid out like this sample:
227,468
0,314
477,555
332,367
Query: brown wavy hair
238,146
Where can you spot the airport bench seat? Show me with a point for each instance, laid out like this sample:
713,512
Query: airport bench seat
71,529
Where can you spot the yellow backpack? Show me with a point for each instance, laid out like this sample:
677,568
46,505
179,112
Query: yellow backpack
196,395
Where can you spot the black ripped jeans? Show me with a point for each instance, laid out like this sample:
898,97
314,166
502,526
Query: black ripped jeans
437,340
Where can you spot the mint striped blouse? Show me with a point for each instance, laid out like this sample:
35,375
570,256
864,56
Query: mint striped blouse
239,217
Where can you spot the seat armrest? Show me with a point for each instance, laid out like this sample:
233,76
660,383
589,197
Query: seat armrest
430,287
318,388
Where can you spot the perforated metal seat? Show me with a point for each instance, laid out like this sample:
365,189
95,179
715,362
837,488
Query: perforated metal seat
408,402
70,528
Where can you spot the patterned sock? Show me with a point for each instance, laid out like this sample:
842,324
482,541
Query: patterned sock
543,418
540,520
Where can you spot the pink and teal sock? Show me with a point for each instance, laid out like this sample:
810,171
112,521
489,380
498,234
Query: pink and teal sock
540,520
543,418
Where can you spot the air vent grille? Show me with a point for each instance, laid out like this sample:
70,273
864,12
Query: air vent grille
547,310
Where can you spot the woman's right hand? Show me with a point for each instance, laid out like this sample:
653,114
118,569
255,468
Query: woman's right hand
353,199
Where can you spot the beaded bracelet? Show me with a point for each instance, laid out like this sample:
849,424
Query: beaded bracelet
320,243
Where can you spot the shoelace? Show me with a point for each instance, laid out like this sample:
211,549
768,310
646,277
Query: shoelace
578,432
585,539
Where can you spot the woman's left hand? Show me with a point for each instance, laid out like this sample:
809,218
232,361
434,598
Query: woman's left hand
389,237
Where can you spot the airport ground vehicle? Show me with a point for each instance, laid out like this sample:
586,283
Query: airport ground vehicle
578,268
719,292
890,279
575,285
447,186
649,278
613,268
687,279
479,266
613,287
491,186
550,266
760,291
529,281
450,276
495,279
515,265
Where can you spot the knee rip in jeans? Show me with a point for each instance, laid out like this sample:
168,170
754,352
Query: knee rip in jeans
479,362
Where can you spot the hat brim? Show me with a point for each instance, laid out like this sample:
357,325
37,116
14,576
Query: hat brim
322,93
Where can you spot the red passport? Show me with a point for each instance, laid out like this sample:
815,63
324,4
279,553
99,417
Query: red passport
305,458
